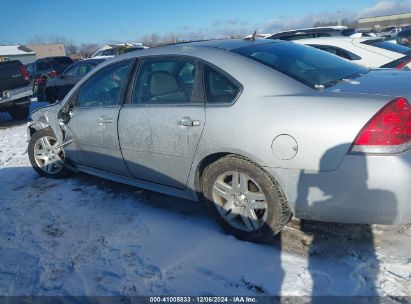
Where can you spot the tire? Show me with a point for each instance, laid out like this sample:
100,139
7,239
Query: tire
268,221
19,112
49,160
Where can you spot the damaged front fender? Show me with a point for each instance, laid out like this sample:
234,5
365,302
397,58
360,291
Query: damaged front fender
45,117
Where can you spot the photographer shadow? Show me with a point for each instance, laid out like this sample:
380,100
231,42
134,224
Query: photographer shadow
327,193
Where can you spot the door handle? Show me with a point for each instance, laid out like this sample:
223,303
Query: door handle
104,120
188,122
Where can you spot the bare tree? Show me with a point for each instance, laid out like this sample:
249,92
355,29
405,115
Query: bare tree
86,50
70,46
37,39
151,40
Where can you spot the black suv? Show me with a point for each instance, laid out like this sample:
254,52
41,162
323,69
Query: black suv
312,33
46,68
15,89
404,37
58,87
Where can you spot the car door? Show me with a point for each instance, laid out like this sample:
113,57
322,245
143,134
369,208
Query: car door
92,128
160,126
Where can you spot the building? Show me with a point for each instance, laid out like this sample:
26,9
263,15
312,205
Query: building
17,52
383,22
47,50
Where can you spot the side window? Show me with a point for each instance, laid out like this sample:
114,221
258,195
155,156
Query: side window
322,35
83,69
218,88
105,87
71,72
342,53
327,48
165,81
30,69
337,51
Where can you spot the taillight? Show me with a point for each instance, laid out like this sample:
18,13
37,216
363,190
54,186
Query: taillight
24,73
40,80
403,64
389,131
52,74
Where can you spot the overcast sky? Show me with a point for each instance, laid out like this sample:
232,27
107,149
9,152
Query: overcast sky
127,20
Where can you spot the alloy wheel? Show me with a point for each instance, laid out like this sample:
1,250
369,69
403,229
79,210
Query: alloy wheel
48,155
240,201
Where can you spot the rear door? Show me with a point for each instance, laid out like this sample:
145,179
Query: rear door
159,129
92,128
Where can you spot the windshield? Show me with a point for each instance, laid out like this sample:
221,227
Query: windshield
308,65
389,46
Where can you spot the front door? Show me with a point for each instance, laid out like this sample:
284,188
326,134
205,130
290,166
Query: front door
160,128
92,127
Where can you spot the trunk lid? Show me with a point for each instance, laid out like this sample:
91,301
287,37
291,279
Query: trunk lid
384,82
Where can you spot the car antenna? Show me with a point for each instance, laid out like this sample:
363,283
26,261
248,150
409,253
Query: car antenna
253,36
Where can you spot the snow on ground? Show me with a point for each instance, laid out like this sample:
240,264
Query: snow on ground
87,236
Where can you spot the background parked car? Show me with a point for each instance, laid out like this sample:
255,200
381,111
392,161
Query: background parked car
46,68
329,31
404,37
367,51
112,50
58,87
15,89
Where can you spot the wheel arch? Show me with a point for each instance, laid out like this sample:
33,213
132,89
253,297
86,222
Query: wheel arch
212,158
40,124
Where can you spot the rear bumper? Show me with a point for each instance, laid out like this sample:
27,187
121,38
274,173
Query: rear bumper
15,97
366,189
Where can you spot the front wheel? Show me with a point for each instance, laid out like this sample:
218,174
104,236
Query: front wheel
245,200
46,156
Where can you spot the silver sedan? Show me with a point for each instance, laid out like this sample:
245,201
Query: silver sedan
260,130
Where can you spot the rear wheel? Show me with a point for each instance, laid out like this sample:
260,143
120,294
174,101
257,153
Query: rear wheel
245,200
46,156
19,111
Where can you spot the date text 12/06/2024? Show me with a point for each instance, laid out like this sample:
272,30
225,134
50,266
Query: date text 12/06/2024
204,299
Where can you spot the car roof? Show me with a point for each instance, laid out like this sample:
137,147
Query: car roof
405,32
336,39
224,44
313,29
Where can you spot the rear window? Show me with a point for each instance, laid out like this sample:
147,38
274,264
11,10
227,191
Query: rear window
43,65
9,69
308,65
63,60
389,46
